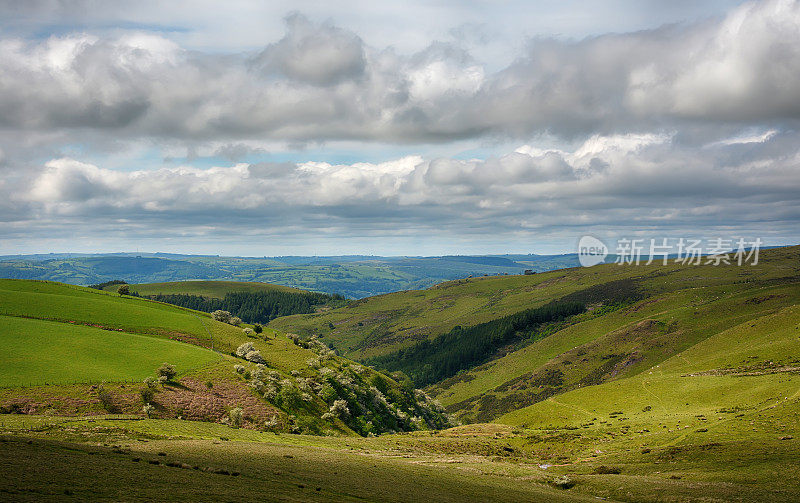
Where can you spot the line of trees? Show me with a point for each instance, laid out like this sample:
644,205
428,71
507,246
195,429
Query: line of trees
254,307
430,361
101,286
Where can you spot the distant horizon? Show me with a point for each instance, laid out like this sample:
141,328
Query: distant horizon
335,255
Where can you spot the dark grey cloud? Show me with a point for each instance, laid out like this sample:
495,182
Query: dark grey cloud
238,151
320,55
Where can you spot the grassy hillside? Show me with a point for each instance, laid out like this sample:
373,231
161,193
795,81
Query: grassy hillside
676,307
53,334
45,352
733,375
377,324
213,289
382,324
102,458
257,303
197,466
77,305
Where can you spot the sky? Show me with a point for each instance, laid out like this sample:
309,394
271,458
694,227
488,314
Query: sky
395,128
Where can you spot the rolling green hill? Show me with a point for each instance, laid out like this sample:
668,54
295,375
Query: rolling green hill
53,336
46,352
257,303
671,309
213,289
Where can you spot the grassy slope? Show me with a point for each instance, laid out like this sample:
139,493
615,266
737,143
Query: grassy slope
75,319
214,289
611,347
747,368
703,405
41,352
378,325
271,469
45,318
78,305
381,324
682,306
105,459
67,303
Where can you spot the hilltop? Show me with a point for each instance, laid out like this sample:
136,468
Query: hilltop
252,302
213,289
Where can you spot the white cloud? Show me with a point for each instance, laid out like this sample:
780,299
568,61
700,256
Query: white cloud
742,140
645,180
320,82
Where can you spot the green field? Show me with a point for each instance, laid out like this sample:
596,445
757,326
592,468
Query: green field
45,352
73,305
378,325
278,469
748,368
67,303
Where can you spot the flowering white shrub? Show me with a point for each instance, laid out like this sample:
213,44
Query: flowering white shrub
272,423
270,392
377,397
421,396
339,409
250,353
236,417
258,385
245,348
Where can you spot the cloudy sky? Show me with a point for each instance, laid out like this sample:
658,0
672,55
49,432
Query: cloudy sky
268,128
